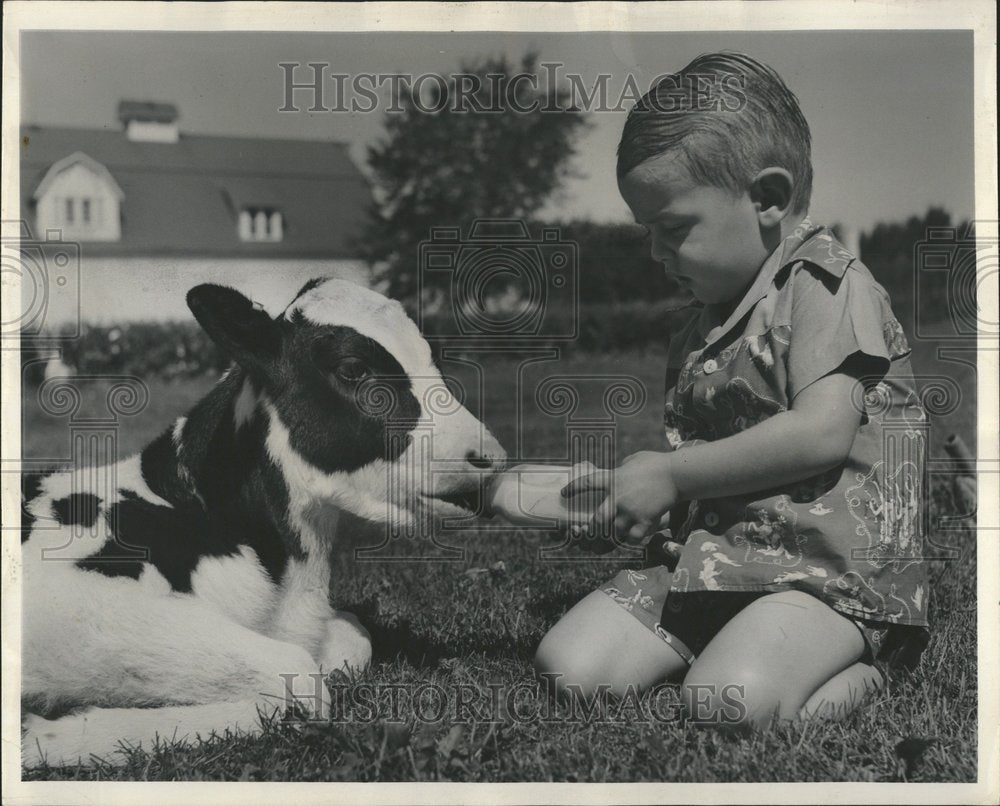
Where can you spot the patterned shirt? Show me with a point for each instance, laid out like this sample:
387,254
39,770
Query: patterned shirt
852,536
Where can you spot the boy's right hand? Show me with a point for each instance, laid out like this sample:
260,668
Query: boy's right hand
635,496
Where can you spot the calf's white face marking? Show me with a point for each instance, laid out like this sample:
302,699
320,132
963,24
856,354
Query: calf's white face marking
346,304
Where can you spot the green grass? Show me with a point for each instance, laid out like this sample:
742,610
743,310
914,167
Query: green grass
474,623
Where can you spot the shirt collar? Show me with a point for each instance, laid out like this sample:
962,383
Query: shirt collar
807,242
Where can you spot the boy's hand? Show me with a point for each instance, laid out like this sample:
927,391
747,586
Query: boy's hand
637,494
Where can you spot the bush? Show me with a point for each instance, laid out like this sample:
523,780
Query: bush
167,350
173,350
600,328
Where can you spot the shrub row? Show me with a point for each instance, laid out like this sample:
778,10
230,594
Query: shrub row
177,350
170,350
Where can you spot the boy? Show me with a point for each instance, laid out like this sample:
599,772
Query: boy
801,562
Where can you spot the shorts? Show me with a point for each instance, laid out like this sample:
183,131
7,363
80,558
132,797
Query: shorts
689,621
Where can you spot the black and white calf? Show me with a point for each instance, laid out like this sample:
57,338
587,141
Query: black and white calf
232,511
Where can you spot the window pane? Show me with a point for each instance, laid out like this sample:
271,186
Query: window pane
246,225
85,211
276,226
69,211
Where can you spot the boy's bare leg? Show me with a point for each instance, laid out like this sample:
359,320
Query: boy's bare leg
598,644
844,692
782,656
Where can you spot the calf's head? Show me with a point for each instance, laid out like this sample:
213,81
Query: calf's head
358,414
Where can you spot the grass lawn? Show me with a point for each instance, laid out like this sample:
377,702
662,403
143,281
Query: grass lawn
474,622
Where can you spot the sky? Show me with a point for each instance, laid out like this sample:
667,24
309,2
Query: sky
890,111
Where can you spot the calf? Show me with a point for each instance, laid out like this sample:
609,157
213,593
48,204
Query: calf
209,575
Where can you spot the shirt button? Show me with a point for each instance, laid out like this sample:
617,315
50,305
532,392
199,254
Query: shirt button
711,519
710,366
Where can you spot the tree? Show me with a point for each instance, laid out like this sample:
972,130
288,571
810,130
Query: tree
489,142
889,251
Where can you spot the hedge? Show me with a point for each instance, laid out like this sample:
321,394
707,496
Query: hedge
169,350
177,350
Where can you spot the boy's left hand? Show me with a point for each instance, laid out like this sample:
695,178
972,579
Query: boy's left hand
636,495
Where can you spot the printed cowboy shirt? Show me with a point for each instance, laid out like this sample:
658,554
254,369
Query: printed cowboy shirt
853,536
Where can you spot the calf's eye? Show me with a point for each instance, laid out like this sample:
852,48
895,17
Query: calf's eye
352,370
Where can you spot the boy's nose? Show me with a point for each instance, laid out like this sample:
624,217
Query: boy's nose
661,253
669,268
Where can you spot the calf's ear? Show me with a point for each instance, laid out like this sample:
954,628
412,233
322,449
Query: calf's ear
241,330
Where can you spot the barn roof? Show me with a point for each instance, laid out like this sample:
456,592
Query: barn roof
185,197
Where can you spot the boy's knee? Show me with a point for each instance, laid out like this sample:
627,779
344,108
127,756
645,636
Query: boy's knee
557,663
569,670
739,698
714,704
846,691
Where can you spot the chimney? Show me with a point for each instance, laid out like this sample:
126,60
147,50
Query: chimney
149,122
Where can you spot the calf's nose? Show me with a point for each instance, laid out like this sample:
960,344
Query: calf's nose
483,462
490,456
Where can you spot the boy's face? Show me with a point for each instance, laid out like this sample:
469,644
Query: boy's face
708,239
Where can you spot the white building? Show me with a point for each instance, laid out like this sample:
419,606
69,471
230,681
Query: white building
153,211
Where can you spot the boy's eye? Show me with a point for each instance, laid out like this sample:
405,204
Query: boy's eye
672,232
663,230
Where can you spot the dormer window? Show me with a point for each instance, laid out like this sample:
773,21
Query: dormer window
79,197
261,224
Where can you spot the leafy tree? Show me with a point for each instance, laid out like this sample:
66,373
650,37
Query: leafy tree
889,250
483,157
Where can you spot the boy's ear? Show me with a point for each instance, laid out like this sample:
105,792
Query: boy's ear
244,332
772,191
